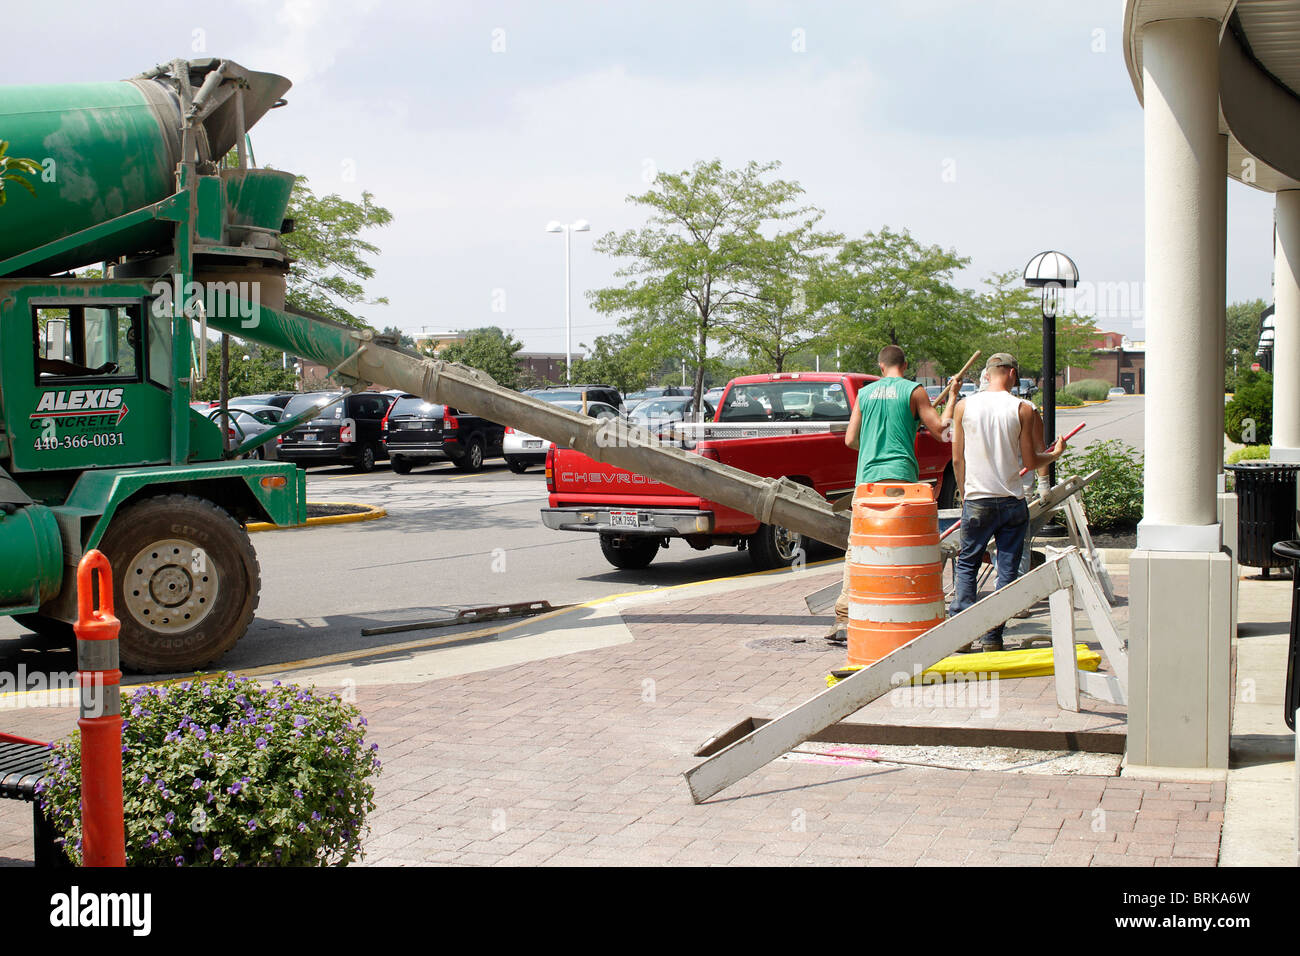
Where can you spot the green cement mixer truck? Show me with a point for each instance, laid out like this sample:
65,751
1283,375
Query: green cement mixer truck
98,445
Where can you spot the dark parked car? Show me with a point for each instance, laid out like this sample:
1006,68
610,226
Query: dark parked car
346,432
417,432
607,394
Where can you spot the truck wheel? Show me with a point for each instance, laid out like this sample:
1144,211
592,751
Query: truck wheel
185,582
631,554
472,460
516,465
948,490
402,466
774,547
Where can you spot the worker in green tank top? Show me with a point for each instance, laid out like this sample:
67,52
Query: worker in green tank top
883,430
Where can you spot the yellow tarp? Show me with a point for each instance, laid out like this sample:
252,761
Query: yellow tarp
1031,662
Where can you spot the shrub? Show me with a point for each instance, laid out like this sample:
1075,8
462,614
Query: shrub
220,771
1248,418
1063,400
1250,453
1088,390
1114,498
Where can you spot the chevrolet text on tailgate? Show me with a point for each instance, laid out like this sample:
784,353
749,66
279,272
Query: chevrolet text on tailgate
786,424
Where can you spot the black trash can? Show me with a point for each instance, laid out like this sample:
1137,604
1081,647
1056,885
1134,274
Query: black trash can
1266,511
1290,550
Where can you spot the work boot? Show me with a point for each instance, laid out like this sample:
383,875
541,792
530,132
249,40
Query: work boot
838,635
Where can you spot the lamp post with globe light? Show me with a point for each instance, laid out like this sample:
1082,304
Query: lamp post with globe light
1051,272
580,225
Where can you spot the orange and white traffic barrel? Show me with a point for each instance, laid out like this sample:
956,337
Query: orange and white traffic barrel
895,573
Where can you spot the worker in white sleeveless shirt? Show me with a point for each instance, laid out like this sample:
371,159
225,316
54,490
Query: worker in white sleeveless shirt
993,436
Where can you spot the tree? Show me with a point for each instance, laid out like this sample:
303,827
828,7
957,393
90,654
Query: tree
15,170
616,359
888,289
329,255
403,339
489,350
781,319
694,261
1013,317
1243,320
253,370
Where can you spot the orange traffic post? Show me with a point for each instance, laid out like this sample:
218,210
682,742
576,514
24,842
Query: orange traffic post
895,575
103,836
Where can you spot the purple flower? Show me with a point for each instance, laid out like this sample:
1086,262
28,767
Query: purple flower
260,743
170,818
196,784
299,721
297,793
302,828
252,824
235,787
216,854
180,861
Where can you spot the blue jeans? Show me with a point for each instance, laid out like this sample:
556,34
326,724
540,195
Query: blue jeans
1004,520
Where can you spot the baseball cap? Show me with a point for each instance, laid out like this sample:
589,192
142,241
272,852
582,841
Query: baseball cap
1002,360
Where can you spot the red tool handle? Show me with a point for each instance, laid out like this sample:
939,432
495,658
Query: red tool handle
1077,428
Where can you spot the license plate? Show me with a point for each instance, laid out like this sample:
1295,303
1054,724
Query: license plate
533,444
311,436
624,519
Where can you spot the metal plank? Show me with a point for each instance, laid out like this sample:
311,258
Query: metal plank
1086,590
796,725
1065,663
1101,686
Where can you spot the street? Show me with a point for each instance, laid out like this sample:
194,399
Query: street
451,540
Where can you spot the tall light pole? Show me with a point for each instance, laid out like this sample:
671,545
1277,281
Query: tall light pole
580,225
1051,272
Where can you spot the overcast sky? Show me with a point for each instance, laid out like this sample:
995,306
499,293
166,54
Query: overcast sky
994,128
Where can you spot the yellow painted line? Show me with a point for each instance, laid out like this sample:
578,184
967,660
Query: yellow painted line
370,514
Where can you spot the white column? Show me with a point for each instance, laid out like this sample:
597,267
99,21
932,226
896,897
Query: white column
1221,307
1183,197
1286,326
1180,581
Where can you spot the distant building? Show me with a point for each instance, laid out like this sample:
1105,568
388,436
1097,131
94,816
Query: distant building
1116,359
542,366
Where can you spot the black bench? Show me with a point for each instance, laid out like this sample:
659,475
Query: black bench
22,764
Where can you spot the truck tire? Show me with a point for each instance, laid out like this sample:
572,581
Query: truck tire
472,460
774,547
631,554
185,582
400,465
948,490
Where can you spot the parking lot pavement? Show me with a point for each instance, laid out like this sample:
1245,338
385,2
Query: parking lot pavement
450,540
1121,418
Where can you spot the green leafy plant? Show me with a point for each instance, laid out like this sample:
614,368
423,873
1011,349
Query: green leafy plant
1063,400
1248,418
220,771
12,169
1250,453
1113,500
1088,389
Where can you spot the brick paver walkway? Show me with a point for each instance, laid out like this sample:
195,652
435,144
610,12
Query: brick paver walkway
578,760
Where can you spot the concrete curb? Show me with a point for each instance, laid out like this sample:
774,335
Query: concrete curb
370,514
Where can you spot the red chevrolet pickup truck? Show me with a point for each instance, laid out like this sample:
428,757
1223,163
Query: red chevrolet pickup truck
788,424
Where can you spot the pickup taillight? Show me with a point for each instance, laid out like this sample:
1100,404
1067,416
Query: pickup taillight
550,468
709,453
510,429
